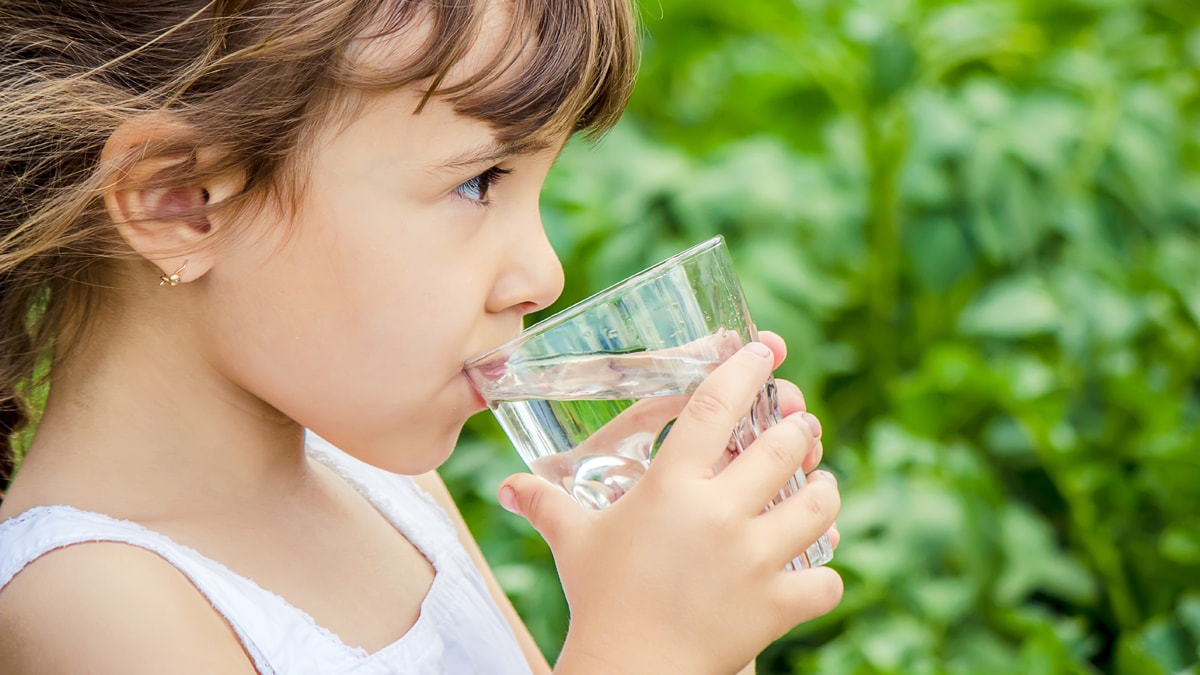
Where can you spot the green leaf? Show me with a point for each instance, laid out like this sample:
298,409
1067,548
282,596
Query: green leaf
1013,307
939,252
1180,542
1036,564
1159,647
1188,610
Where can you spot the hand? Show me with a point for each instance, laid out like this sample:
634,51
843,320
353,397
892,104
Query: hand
686,573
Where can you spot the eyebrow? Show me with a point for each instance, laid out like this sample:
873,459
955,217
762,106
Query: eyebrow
491,153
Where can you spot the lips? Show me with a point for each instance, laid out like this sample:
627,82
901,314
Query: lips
475,395
492,371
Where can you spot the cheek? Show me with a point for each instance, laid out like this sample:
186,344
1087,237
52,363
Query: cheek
371,332
356,326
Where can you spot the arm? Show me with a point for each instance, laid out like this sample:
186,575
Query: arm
111,608
432,483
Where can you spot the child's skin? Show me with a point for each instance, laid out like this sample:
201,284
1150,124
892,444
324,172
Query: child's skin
183,409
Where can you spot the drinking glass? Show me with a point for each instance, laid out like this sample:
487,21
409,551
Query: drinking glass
588,395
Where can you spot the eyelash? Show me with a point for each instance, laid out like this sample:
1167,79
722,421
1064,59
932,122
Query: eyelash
481,184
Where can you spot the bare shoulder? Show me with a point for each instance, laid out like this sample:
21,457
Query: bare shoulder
107,607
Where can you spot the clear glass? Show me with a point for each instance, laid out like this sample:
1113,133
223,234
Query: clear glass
589,394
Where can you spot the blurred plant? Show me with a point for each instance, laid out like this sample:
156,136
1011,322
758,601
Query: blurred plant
976,223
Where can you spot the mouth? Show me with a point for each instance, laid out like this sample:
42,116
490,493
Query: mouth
478,399
493,371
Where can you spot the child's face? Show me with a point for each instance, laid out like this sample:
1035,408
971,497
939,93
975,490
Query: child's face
354,314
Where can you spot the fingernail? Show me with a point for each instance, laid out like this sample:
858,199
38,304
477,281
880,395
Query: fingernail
824,475
813,423
759,349
508,499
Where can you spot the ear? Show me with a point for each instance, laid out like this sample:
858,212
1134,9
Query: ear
157,200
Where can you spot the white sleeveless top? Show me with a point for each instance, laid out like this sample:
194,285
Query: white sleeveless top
460,629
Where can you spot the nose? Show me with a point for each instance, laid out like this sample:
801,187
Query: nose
531,277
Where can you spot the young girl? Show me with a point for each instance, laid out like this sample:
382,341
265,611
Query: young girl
225,222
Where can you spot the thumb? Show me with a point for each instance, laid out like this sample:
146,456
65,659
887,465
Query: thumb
549,509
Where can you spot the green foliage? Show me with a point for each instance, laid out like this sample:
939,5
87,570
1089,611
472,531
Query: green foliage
978,226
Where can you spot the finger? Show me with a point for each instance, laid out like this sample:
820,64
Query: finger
805,594
776,343
701,434
798,521
791,399
834,536
814,455
548,508
638,425
759,473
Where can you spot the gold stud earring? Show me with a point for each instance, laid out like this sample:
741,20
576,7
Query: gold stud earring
173,279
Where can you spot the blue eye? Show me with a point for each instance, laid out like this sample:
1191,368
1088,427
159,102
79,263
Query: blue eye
476,189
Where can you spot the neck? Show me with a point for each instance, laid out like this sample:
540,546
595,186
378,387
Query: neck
139,423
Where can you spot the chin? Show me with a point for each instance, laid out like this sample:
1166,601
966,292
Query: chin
403,453
412,459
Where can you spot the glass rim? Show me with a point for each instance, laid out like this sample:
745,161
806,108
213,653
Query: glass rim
577,308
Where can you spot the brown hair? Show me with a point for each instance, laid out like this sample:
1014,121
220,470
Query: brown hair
253,78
